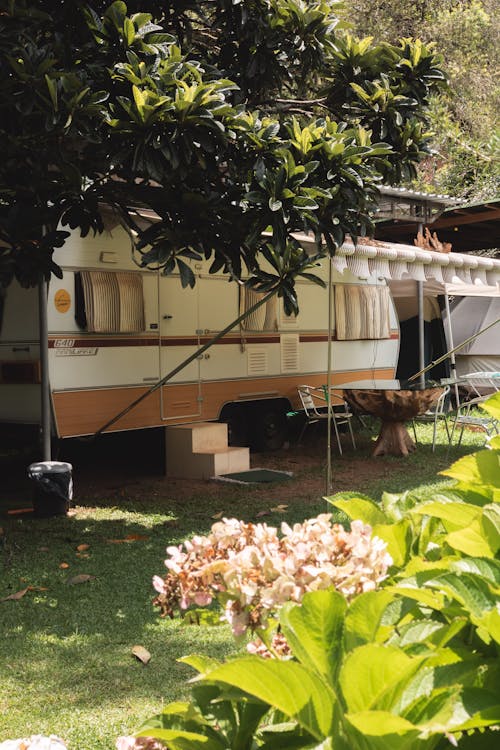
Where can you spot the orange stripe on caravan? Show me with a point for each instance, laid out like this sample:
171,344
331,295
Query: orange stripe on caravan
84,412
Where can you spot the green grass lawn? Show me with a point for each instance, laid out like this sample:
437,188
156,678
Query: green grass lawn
66,649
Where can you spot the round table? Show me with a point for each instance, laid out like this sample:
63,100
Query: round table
393,408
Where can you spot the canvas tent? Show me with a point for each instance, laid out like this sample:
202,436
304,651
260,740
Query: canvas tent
468,316
465,310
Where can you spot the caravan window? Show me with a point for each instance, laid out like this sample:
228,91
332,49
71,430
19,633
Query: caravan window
109,302
265,318
362,311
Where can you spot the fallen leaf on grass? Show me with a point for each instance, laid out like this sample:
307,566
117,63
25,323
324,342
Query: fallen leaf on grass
82,554
15,597
141,653
279,509
43,549
63,565
128,538
216,516
263,513
81,578
82,547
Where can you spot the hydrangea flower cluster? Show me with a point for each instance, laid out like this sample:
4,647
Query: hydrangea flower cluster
138,743
35,742
252,570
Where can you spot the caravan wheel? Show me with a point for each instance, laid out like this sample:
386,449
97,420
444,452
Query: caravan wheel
269,429
236,418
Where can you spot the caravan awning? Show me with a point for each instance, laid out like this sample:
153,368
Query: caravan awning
452,272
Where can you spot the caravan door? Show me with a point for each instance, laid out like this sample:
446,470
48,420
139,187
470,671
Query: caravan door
180,397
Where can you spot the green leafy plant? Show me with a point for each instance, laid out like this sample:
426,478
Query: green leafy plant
411,665
346,682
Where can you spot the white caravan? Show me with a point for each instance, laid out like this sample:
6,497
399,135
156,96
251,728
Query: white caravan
115,330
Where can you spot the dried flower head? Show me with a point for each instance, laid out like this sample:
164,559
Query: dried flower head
252,570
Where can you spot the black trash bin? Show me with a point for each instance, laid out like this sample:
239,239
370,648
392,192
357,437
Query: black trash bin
53,487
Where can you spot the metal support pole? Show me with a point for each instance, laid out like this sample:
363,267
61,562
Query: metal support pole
453,365
421,326
421,331
45,416
329,382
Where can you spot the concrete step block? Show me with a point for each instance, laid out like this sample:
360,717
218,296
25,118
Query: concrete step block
200,436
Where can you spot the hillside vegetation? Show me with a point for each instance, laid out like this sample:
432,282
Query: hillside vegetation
464,118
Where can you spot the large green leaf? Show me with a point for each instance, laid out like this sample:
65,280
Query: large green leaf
202,664
492,405
471,541
363,619
480,471
431,632
489,626
470,590
433,599
372,676
489,569
290,687
455,515
177,739
490,525
360,509
381,730
314,630
398,538
477,707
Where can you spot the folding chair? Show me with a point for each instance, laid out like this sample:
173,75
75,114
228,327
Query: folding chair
315,414
468,415
440,411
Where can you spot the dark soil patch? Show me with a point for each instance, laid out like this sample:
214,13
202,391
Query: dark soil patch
129,467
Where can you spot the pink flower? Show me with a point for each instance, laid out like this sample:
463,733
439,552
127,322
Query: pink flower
35,742
138,743
254,570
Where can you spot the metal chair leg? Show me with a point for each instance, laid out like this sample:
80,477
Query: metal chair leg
337,434
349,425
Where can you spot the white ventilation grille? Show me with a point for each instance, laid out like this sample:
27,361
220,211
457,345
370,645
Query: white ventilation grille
114,302
257,363
289,352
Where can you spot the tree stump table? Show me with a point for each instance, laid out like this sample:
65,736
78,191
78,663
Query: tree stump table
393,408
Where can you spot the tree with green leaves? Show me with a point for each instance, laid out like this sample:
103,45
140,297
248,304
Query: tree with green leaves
235,123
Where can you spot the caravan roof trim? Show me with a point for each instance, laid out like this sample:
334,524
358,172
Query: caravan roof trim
395,262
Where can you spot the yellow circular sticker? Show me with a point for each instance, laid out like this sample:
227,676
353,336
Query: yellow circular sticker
62,300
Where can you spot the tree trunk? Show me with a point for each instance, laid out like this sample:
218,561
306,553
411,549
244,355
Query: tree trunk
394,440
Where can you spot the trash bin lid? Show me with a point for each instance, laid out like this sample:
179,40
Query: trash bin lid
50,467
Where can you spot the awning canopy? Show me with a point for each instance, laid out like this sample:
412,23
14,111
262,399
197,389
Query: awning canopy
407,288
452,272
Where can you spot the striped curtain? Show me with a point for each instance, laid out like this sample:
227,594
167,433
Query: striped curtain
361,312
114,302
262,319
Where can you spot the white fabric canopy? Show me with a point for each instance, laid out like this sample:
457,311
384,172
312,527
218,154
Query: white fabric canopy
407,288
468,317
